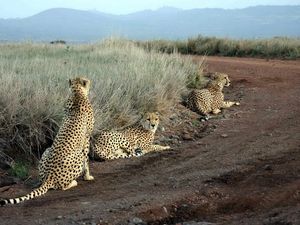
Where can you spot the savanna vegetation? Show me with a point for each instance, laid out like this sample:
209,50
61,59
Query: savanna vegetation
280,47
126,81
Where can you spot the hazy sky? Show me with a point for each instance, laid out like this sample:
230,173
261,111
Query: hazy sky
24,8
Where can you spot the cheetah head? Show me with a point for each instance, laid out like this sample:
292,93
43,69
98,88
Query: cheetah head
80,84
221,78
150,121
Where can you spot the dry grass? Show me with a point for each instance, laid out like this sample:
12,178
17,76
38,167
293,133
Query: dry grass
126,81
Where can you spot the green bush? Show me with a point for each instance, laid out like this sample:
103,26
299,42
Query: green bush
20,170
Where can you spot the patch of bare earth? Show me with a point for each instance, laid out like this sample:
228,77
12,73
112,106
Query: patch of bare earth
242,167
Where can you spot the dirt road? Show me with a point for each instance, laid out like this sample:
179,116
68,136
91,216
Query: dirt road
242,167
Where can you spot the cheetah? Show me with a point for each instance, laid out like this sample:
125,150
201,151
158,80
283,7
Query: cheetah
67,158
211,98
132,141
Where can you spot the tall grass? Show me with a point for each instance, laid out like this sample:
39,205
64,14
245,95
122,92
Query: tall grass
284,48
126,81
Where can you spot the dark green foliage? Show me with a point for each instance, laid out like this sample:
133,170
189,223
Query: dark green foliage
20,170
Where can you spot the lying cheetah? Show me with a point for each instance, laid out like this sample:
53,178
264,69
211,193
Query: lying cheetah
211,98
134,140
67,158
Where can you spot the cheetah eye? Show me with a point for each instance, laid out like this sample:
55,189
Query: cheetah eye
156,119
148,119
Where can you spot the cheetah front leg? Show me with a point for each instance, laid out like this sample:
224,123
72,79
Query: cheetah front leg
86,169
227,104
216,111
155,148
72,184
87,175
160,147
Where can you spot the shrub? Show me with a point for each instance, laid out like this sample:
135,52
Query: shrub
126,81
19,169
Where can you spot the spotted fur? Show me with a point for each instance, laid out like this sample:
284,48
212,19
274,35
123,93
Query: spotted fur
67,158
211,98
133,141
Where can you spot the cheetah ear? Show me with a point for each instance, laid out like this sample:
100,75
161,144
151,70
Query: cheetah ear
157,113
84,82
213,76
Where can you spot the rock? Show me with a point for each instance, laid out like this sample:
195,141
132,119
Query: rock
137,221
165,210
267,167
224,135
174,137
226,116
187,137
59,217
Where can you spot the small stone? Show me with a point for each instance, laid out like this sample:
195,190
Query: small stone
187,137
137,221
224,135
174,137
225,116
267,167
165,210
59,217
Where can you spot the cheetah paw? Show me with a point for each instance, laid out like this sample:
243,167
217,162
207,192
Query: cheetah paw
88,177
237,103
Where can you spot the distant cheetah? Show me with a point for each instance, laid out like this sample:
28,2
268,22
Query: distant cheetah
211,98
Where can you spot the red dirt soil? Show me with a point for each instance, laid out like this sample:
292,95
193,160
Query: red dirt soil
242,167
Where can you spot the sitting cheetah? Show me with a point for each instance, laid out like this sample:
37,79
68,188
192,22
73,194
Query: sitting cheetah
67,158
211,98
134,140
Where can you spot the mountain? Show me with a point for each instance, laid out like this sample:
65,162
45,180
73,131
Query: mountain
164,23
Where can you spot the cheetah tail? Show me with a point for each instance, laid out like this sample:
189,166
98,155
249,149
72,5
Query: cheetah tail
35,193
